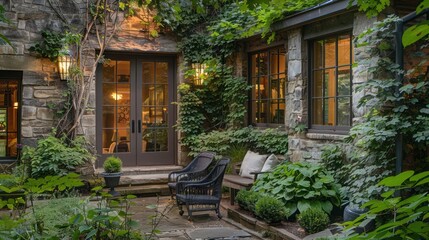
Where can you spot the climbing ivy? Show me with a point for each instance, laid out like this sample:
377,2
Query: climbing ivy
208,32
394,107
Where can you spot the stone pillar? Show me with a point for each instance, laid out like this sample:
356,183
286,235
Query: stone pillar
360,24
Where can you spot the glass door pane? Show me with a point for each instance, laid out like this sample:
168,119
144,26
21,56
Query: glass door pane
116,101
154,107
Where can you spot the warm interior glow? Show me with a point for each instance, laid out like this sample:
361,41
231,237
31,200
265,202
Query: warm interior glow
15,105
116,96
200,73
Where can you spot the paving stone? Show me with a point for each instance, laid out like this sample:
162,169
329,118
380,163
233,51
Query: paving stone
217,233
324,233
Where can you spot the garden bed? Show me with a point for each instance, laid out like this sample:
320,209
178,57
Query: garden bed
284,230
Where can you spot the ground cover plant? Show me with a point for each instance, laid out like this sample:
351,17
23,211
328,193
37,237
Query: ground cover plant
300,186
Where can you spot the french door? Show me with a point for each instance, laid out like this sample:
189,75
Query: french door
135,116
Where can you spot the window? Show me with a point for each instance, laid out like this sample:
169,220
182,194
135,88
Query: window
268,79
10,85
331,82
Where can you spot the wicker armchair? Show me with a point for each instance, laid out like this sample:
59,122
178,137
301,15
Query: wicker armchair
203,195
196,170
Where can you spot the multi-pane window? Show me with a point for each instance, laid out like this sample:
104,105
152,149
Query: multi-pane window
268,79
331,82
9,113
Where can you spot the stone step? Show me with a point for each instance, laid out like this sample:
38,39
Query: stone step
143,170
144,179
152,189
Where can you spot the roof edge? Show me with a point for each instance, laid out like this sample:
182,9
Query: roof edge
318,12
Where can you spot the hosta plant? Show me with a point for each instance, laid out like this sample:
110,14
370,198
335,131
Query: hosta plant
300,186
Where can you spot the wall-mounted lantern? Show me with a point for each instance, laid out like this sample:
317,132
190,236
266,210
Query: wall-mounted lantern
200,74
64,64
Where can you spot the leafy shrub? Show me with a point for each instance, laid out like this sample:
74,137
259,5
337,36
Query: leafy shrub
356,170
54,156
248,199
221,142
300,186
8,180
397,217
112,164
313,220
270,209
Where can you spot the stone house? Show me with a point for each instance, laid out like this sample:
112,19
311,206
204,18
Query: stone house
304,78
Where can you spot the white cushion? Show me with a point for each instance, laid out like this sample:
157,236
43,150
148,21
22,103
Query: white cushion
252,162
270,163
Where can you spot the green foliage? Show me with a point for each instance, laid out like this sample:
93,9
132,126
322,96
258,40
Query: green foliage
112,164
52,45
191,118
236,153
370,7
412,34
262,141
3,39
54,156
399,217
356,170
247,199
270,209
394,107
49,215
208,31
313,220
110,219
269,12
300,186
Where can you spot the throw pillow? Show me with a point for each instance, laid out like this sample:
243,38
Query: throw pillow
270,163
252,162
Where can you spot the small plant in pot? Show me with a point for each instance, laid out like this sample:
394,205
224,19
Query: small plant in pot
112,173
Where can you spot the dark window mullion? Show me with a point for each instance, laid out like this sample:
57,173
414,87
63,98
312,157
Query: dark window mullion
323,83
336,82
351,80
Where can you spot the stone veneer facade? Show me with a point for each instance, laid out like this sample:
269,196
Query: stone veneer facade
308,146
41,84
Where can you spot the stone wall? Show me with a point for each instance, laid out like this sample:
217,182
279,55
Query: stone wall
40,84
308,146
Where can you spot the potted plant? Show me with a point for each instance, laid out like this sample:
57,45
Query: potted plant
112,173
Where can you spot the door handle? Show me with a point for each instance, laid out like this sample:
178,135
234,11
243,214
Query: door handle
132,126
140,126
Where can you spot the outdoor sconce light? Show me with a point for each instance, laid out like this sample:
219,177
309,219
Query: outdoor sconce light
200,73
64,64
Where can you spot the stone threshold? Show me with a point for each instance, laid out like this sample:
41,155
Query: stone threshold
254,224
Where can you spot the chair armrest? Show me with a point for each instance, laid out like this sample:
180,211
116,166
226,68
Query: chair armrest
257,174
191,176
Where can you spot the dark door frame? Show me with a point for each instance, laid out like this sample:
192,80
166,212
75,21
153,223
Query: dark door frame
14,75
134,70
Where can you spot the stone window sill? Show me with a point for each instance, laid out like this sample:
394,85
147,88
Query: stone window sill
326,136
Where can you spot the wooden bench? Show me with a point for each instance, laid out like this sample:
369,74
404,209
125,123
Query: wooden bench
235,183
